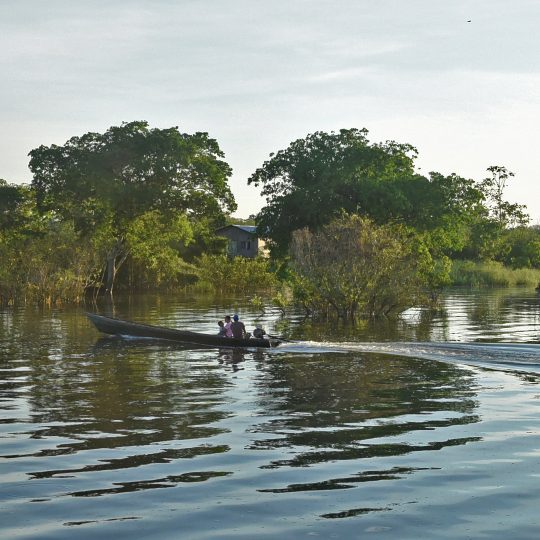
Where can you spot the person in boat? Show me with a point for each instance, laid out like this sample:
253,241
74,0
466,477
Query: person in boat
238,329
222,332
227,326
259,332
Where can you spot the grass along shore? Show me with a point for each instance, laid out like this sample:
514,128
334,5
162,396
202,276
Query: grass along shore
492,274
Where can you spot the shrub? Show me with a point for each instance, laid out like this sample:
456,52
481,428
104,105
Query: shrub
352,266
223,274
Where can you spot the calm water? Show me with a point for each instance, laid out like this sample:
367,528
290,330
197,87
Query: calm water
425,428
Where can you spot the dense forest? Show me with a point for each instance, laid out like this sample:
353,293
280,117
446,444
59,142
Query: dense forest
353,228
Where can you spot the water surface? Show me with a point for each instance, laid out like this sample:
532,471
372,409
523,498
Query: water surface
424,428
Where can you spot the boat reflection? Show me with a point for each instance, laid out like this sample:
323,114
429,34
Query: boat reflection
110,343
226,356
232,357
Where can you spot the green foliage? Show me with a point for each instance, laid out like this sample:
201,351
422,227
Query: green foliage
283,298
108,181
204,240
484,242
42,259
12,199
438,274
317,178
222,274
352,266
154,197
502,212
490,228
131,169
520,247
257,303
47,267
153,239
250,220
492,274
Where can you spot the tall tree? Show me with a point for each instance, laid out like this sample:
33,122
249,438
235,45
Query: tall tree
105,182
316,178
490,228
505,214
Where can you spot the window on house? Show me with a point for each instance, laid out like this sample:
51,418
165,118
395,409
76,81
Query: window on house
243,244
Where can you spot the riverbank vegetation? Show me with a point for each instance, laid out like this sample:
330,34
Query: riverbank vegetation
353,229
492,274
219,273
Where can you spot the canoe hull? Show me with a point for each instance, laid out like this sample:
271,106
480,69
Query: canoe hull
119,327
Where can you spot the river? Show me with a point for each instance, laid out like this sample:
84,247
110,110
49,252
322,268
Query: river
428,427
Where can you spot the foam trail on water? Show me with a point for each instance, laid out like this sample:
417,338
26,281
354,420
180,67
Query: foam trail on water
522,356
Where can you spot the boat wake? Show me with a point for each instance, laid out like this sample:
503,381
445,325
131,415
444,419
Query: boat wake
517,356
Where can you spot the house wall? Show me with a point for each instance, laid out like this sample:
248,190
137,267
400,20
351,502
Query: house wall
241,243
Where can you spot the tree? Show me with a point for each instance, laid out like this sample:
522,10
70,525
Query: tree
490,225
42,258
152,238
521,247
224,274
13,201
105,182
505,214
352,266
315,178
318,177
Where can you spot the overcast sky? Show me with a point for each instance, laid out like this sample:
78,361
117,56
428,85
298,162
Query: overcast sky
258,74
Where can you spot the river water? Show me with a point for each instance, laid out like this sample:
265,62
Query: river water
428,427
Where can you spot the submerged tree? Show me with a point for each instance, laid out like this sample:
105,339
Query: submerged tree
42,258
107,182
352,266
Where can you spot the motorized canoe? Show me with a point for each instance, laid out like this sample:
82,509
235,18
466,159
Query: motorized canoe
118,327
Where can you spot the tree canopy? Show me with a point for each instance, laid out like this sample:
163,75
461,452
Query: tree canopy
316,178
12,199
132,169
502,212
107,181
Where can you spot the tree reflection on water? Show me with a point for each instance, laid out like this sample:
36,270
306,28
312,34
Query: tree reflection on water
345,407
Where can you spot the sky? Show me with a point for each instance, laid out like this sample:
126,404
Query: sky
457,79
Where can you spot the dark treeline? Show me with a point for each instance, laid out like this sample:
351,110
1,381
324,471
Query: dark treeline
351,226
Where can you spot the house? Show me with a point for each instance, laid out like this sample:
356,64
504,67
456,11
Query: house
243,240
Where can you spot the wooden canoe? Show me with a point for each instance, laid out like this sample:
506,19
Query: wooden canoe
118,327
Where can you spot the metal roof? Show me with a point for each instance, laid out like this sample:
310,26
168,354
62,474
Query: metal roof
247,228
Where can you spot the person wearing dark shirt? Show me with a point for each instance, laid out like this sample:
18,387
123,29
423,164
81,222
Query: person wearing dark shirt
259,332
238,329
